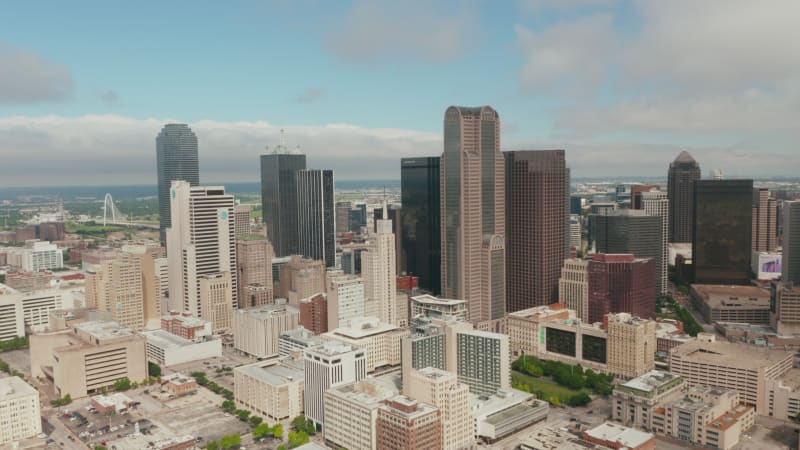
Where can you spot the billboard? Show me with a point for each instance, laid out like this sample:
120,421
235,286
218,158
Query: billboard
767,266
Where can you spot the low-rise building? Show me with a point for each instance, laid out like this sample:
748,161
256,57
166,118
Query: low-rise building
270,389
351,413
32,308
295,341
746,304
167,349
614,436
256,331
185,325
178,384
116,403
505,412
435,307
20,416
633,402
669,334
404,424
381,341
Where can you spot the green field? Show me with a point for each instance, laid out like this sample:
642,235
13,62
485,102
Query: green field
91,228
544,388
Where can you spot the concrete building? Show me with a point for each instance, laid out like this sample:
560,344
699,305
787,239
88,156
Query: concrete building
379,271
200,241
279,198
351,414
254,256
380,341
257,330
683,172
656,203
484,361
706,362
301,278
346,299
35,256
435,308
331,365
20,414
167,349
473,213
30,281
88,357
791,242
765,221
621,283
404,423
611,435
422,235
316,224
178,384
185,325
216,302
785,308
29,310
573,286
296,341
442,390
12,324
176,156
634,401
575,233
631,345
241,220
314,313
505,412
537,220
270,389
745,304
343,216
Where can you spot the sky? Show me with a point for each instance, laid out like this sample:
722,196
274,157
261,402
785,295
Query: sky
622,85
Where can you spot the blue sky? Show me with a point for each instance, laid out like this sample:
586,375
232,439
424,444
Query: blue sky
622,85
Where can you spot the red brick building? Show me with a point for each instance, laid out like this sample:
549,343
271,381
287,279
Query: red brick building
404,424
314,313
185,325
621,283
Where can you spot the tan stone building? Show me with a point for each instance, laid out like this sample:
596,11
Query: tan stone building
631,345
257,331
573,286
442,390
216,300
404,424
381,341
743,304
20,416
271,389
301,278
254,256
88,357
351,413
633,402
785,319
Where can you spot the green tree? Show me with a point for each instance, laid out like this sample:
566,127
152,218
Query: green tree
123,384
261,430
282,447
255,420
277,431
297,438
230,441
213,445
243,414
229,406
153,369
100,447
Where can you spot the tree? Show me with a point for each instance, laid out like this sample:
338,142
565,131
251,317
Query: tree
297,438
261,430
229,406
277,431
213,445
153,369
255,420
123,384
282,447
243,414
100,447
230,441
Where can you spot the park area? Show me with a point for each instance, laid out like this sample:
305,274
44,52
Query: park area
559,383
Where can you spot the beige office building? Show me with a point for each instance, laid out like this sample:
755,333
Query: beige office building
631,345
257,331
765,221
473,214
379,271
271,389
301,278
216,300
744,368
254,256
573,286
442,390
785,319
241,220
381,341
88,357
633,402
346,299
20,416
351,413
741,304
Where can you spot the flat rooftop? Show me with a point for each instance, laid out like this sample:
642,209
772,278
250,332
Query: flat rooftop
164,339
15,387
102,329
627,437
791,379
650,381
275,374
268,311
718,296
730,354
331,348
363,327
428,299
484,406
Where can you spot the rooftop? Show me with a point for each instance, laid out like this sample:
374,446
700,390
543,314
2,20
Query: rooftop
431,300
15,387
268,311
627,437
331,348
728,419
103,329
729,354
275,374
164,339
485,406
363,327
650,381
717,296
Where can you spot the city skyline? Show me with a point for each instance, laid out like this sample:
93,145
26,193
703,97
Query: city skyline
729,101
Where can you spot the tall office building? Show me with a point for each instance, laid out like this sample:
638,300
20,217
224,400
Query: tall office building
656,203
484,361
443,390
279,199
254,256
328,366
396,217
216,300
20,412
791,242
621,284
343,216
636,194
636,232
575,233
404,424
573,287
315,215
722,230
200,242
379,271
537,216
422,237
241,220
473,213
345,300
683,172
176,157
765,221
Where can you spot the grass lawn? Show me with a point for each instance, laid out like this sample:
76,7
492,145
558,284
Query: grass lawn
548,386
72,227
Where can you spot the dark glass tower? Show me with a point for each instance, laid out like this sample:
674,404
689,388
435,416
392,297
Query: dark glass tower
683,172
176,159
279,200
316,217
421,236
723,217
537,215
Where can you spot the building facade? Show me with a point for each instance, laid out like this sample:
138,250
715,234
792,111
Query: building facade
422,238
683,172
279,199
791,242
257,330
442,390
484,361
573,286
316,223
379,271
314,313
216,300
254,256
404,423
656,203
380,341
621,283
176,157
346,300
330,365
19,411
765,221
271,389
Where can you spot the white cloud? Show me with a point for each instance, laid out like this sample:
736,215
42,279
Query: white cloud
112,149
385,30
27,77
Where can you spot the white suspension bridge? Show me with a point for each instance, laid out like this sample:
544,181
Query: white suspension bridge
113,216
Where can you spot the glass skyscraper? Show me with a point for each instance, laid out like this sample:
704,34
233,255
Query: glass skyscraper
316,216
176,159
421,235
279,200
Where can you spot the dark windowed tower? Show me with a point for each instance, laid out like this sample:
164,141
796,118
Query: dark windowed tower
723,217
791,242
316,217
537,215
176,158
421,235
683,172
279,200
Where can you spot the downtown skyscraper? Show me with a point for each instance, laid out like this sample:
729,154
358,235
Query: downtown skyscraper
279,199
473,213
791,242
379,271
683,172
422,237
176,159
316,216
537,218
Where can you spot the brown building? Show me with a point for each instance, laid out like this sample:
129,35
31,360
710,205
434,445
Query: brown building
254,256
314,313
29,281
621,283
537,214
178,384
683,172
473,213
405,424
407,283
636,194
51,231
185,325
301,278
26,233
765,221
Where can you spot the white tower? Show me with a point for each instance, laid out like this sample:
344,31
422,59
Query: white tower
378,268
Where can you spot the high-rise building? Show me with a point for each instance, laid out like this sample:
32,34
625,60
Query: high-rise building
443,390
279,200
200,242
631,345
791,242
345,300
330,365
636,194
315,215
683,172
300,278
765,221
378,269
343,216
575,233
573,287
473,213
637,232
404,423
254,256
396,217
621,283
381,341
351,413
216,300
484,361
258,329
241,220
176,155
722,230
537,216
656,203
314,313
19,411
422,236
